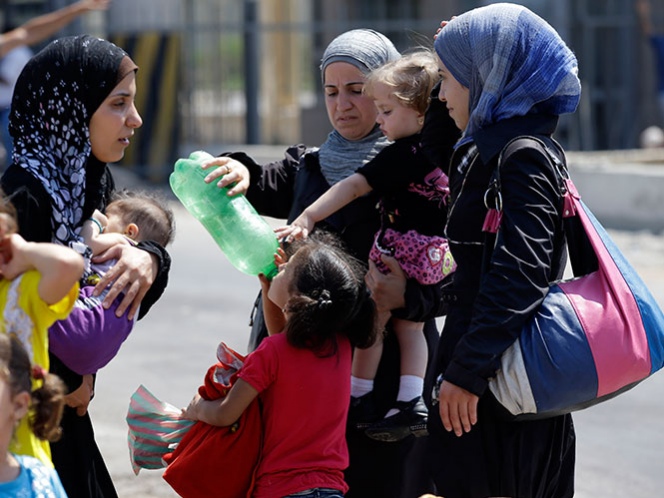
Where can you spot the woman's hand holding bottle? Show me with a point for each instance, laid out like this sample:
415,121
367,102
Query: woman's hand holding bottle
230,172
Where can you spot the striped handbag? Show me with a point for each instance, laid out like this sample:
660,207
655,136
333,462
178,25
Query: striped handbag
593,336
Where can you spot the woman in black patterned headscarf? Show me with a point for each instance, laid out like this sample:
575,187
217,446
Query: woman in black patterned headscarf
59,91
73,111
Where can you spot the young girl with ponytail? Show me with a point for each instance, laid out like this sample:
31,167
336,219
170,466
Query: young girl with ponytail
317,310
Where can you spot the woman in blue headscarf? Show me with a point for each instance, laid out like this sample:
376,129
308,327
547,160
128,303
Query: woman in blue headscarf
506,73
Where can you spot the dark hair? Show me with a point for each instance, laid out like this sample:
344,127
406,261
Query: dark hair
329,297
148,211
47,401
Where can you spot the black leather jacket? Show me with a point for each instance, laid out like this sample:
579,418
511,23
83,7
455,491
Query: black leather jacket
529,252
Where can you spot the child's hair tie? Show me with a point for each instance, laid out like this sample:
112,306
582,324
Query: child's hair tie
38,372
324,300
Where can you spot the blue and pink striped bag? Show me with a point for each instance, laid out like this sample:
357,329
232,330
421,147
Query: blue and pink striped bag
592,338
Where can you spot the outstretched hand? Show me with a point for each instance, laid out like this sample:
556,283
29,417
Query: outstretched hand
279,259
298,229
291,232
274,316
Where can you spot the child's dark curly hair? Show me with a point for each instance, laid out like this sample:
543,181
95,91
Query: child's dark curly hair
329,297
47,401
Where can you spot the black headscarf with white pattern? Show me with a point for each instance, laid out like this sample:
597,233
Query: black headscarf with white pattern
56,95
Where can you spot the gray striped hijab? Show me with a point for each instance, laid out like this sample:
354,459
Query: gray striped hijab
365,49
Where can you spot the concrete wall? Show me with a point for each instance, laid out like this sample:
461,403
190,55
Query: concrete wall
625,190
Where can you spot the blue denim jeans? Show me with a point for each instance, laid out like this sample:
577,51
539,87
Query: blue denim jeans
317,493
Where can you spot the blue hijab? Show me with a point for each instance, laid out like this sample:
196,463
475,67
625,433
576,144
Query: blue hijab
512,61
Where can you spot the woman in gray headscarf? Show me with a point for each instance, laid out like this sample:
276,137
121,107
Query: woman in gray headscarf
284,188
506,74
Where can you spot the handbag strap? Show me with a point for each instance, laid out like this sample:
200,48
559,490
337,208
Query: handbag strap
492,197
581,254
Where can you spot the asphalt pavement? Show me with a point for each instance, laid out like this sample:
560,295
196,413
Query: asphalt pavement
620,446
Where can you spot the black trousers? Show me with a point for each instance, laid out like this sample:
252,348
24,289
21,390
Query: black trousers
499,457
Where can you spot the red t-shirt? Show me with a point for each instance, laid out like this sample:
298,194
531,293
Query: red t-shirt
305,404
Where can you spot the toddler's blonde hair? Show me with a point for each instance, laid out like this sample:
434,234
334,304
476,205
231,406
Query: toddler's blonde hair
411,78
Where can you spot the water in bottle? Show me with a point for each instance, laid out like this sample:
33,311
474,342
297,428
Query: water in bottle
243,235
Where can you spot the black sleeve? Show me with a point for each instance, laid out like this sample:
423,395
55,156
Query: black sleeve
271,185
161,281
386,173
439,133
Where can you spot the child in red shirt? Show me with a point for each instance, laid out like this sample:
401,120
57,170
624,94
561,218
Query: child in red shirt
302,376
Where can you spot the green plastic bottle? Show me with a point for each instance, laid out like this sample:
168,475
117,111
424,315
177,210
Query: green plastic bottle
243,235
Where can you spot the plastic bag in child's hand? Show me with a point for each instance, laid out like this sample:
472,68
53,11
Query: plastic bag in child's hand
218,461
155,428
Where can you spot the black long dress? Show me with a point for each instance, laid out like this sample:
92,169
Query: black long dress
498,457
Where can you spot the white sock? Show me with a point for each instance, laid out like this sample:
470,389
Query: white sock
359,387
410,387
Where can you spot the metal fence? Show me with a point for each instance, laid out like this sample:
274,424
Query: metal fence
219,72
247,72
